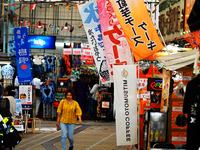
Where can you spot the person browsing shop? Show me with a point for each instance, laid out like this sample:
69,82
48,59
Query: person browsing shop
68,111
93,92
10,92
37,82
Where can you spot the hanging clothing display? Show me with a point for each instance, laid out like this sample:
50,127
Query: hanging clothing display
14,62
48,92
76,59
66,64
11,43
38,70
58,66
8,71
192,108
50,63
38,59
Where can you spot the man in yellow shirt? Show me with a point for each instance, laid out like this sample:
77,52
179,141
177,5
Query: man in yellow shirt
68,110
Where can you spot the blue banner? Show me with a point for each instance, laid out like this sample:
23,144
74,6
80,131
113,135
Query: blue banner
42,42
22,55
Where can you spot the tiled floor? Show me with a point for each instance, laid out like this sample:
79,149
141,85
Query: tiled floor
88,136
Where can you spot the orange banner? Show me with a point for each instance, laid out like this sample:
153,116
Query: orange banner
138,27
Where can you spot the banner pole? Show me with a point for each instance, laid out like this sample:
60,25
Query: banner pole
138,105
156,26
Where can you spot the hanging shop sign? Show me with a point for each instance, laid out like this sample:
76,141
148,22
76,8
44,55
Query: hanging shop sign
154,84
25,94
76,51
67,51
22,55
138,27
125,93
116,46
90,18
165,91
42,42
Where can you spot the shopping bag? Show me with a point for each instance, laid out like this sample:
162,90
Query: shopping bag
11,137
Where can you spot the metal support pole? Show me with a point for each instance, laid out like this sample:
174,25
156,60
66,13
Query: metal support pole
4,25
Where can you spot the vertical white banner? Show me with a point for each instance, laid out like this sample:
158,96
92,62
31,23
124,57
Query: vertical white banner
125,94
90,18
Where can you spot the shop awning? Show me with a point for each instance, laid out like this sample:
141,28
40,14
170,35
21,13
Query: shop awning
179,60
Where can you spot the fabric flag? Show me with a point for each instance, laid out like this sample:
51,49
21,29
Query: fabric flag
76,6
116,46
24,23
22,6
32,6
22,55
13,5
138,27
90,18
54,27
125,93
69,5
49,26
50,5
29,23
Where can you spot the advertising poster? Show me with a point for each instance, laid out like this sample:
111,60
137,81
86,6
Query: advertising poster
86,55
181,78
22,55
90,18
138,27
165,91
116,46
25,94
18,111
125,93
179,120
179,138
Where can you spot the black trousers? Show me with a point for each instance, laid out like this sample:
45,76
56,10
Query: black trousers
94,109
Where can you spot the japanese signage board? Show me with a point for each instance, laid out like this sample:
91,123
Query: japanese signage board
76,51
25,94
67,51
165,91
138,27
116,46
171,18
125,93
179,138
86,55
22,55
90,18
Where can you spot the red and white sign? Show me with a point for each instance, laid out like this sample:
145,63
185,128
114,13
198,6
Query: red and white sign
76,51
105,104
67,51
87,52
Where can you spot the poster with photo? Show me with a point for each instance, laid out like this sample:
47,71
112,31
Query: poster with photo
25,94
179,120
181,78
18,110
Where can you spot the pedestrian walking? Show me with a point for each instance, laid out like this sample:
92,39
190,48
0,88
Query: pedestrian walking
68,111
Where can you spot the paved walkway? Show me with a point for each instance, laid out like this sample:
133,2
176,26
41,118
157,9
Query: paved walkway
88,136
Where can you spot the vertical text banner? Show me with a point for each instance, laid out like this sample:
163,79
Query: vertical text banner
138,27
22,55
90,17
125,93
165,91
116,46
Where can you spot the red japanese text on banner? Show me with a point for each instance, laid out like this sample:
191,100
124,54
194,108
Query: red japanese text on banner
116,46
